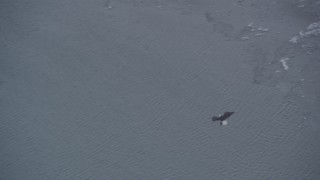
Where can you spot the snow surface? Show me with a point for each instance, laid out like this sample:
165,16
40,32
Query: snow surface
312,30
126,89
284,63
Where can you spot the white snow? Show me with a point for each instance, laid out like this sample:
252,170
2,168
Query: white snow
284,63
314,25
245,38
224,123
259,31
312,30
294,39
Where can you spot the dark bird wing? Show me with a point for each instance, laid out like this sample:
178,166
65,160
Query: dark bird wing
226,115
215,118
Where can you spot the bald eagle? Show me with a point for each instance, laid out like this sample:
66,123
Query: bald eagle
223,117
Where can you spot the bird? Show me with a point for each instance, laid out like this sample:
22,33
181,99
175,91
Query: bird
222,118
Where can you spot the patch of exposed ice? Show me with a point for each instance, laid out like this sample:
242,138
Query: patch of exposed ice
284,63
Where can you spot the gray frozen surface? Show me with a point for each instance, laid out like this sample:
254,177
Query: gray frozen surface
96,89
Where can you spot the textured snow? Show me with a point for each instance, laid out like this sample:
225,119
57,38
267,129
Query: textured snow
284,63
312,30
294,39
93,92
